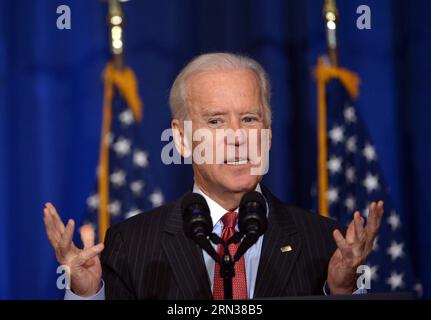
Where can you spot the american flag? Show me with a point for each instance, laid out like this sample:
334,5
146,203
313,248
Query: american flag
354,180
132,187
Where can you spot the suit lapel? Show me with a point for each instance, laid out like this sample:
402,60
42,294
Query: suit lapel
185,258
275,266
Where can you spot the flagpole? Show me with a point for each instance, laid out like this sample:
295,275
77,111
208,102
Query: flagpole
330,16
325,71
119,80
115,22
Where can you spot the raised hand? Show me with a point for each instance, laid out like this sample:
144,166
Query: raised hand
84,264
353,250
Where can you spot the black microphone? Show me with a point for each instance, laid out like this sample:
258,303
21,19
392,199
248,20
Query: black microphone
252,221
197,223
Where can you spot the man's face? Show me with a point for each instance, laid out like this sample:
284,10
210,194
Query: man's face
227,100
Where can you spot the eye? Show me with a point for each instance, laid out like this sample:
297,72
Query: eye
214,122
249,119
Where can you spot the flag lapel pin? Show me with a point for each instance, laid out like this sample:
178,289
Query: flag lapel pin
286,248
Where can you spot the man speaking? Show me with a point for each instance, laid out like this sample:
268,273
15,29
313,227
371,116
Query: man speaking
150,257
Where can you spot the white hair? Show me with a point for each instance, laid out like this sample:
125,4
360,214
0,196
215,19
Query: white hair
218,62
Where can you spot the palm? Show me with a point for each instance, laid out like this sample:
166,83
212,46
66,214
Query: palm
353,250
337,269
86,276
83,264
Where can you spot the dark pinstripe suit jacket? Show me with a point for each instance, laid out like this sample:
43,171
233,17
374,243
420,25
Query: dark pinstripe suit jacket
149,257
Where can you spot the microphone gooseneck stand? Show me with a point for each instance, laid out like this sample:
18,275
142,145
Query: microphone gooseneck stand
226,262
197,225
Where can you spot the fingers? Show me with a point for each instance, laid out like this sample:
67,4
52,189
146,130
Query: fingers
359,239
350,233
375,216
87,236
342,244
61,238
356,235
360,234
372,216
380,211
53,224
65,244
52,232
374,219
55,217
87,254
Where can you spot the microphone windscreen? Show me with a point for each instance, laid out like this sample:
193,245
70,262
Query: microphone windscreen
252,219
196,216
253,196
193,198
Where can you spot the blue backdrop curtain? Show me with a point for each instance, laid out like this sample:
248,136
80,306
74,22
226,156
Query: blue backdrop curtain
51,105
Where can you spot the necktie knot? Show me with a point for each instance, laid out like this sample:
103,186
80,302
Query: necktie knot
229,219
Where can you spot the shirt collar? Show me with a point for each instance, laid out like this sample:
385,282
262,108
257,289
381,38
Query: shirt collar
216,210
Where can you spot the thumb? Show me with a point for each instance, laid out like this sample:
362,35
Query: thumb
87,235
87,254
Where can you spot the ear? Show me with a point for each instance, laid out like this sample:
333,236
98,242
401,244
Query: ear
182,137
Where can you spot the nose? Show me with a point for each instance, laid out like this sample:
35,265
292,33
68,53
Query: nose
235,134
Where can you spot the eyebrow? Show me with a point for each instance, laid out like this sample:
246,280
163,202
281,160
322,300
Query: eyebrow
214,113
256,111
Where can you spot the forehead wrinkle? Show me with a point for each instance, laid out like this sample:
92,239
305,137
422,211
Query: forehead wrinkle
203,100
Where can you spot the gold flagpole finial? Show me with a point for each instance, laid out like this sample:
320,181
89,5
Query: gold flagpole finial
116,23
331,17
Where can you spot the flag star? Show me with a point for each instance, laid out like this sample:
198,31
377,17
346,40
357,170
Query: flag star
334,165
336,134
114,208
350,175
350,203
137,186
332,195
376,243
122,147
93,201
118,178
395,280
132,212
140,158
373,273
371,182
369,152
396,250
351,144
126,117
394,221
156,198
350,114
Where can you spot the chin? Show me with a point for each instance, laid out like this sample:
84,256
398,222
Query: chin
242,184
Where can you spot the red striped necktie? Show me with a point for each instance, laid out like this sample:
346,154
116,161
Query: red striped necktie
239,281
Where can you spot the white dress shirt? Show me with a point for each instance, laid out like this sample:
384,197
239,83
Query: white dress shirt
251,256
